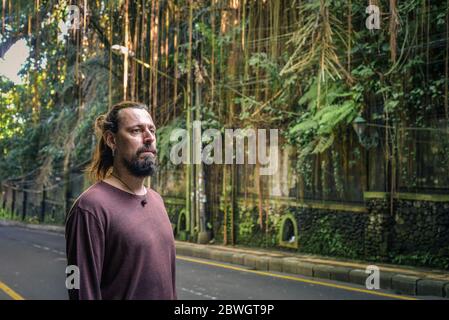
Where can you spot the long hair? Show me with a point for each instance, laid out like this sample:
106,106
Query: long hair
103,159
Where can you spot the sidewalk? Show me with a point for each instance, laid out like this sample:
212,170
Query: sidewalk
401,279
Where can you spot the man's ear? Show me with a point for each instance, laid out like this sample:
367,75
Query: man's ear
109,138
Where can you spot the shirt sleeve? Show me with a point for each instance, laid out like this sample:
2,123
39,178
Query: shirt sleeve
85,242
173,266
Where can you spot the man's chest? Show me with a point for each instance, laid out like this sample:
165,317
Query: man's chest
139,230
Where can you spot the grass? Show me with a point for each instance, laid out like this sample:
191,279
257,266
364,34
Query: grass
48,219
8,215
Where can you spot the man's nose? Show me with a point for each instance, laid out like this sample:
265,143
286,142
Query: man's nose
149,136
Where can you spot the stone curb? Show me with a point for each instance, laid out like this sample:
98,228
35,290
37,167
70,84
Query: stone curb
358,276
386,280
50,228
404,284
340,274
275,264
322,271
305,268
400,283
290,265
238,258
249,260
432,288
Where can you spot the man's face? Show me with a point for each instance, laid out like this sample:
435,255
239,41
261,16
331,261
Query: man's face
136,142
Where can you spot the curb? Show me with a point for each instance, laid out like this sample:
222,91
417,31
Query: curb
405,284
432,288
399,283
50,228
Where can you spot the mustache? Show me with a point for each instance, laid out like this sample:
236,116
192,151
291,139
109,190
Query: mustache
147,149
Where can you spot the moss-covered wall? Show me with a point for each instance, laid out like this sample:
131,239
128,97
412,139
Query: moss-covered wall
417,233
331,232
319,231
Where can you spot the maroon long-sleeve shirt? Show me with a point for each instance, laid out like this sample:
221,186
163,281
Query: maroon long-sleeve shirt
124,248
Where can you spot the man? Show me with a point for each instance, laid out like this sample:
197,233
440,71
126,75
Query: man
118,233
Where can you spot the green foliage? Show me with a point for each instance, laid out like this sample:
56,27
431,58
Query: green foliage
322,119
8,215
423,259
32,220
248,226
325,240
247,223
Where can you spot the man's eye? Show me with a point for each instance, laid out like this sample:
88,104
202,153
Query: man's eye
136,130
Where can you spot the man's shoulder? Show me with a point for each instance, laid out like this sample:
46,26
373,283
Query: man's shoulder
155,194
91,198
88,204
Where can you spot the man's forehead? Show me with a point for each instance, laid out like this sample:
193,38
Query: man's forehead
131,116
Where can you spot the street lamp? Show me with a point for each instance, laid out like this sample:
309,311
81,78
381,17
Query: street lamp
122,50
367,140
359,125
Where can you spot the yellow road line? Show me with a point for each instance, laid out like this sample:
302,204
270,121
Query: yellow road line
394,296
10,292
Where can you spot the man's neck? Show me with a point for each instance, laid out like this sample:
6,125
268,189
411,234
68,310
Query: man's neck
121,178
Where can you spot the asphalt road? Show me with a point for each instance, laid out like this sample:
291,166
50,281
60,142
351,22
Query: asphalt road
32,266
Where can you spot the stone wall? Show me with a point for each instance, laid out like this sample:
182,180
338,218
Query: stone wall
379,228
421,226
417,233
331,232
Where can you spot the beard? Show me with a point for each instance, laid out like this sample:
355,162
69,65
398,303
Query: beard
141,167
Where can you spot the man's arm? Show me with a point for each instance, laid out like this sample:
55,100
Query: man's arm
85,242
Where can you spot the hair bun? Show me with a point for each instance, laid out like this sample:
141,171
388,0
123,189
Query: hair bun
99,123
